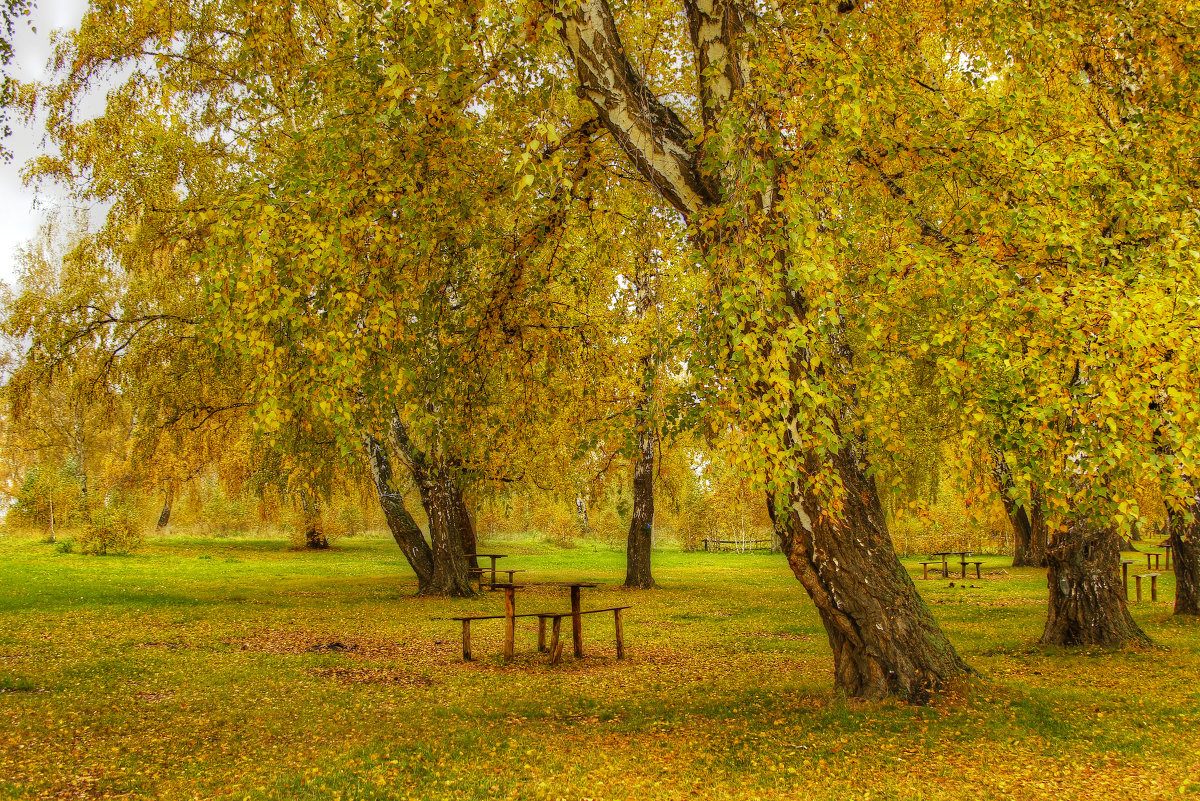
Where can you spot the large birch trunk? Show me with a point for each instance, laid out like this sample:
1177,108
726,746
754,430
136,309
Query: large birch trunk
449,523
1087,595
884,640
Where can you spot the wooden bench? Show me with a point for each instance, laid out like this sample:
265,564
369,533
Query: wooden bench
925,568
1137,577
555,619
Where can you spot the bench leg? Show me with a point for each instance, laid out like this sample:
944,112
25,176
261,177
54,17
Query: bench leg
977,565
541,635
964,569
620,634
1125,579
466,640
1138,581
556,645
576,623
1154,588
925,572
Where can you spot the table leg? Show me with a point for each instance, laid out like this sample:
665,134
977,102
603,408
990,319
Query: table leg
576,623
466,640
1125,578
964,568
555,640
493,572
510,621
541,634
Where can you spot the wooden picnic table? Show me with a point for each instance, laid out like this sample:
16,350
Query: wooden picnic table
577,612
962,555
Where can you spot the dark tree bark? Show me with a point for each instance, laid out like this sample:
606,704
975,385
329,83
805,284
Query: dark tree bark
1030,534
1087,595
883,637
405,530
641,525
1185,546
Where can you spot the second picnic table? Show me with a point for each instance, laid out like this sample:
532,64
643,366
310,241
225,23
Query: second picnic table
962,555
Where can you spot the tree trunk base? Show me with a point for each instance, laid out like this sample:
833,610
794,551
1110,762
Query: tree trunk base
1087,595
885,641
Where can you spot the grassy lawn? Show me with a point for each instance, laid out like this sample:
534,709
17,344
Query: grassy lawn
202,668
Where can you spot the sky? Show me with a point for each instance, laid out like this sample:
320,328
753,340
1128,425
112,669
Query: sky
19,220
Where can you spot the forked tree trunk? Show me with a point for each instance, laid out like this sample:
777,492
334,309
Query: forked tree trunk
1087,595
641,525
405,530
1030,533
884,639
1185,546
449,523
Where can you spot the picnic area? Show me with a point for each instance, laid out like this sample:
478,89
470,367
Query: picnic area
235,667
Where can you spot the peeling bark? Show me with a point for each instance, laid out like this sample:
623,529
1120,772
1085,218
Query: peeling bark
442,499
1087,595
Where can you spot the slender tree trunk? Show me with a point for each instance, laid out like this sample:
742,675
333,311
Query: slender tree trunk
405,530
641,525
884,639
1185,546
1087,595
581,514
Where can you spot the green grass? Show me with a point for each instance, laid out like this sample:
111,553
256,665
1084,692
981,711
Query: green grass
191,670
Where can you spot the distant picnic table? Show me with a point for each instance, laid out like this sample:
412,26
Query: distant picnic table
738,545
962,555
